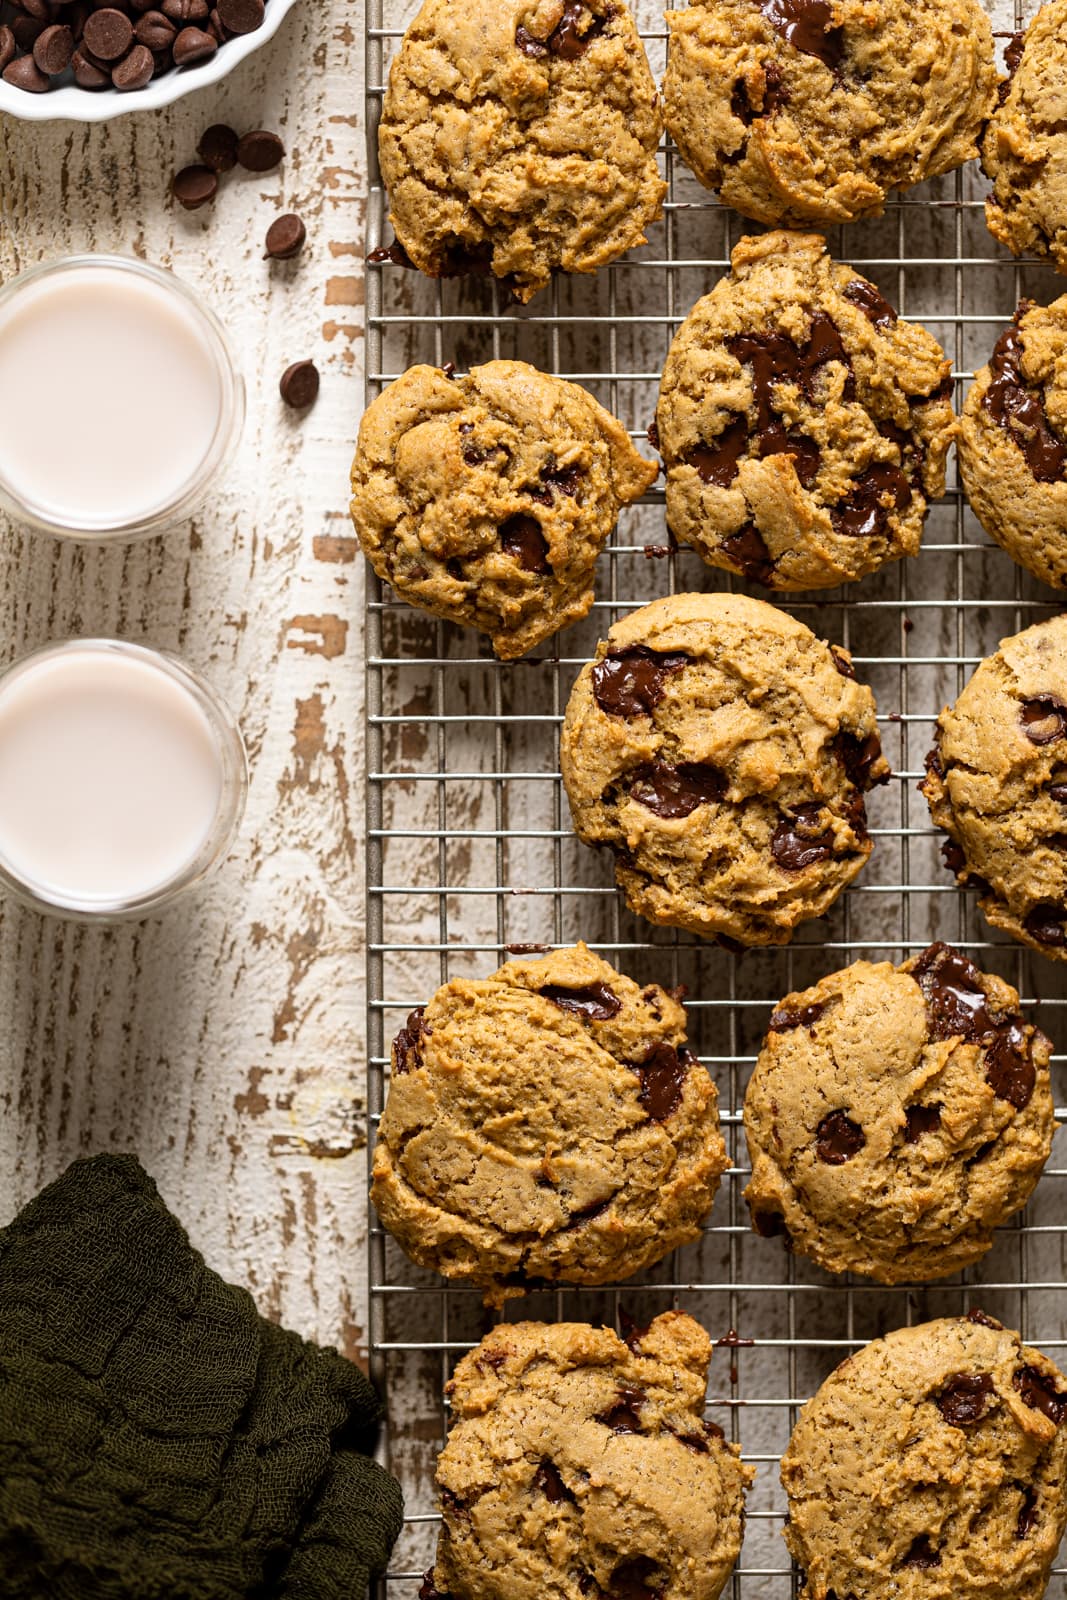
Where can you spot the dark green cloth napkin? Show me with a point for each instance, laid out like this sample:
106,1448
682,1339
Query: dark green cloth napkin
159,1440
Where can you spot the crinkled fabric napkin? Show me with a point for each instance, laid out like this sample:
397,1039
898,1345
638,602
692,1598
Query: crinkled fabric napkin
159,1440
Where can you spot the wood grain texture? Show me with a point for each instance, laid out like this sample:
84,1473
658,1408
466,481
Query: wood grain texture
222,1041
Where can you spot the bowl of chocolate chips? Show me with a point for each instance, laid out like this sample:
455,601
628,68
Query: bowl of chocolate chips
90,60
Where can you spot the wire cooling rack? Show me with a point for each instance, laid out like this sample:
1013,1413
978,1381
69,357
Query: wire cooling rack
470,853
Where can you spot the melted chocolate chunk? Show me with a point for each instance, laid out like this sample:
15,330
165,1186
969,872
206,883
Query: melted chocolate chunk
632,1331
774,359
842,662
769,1224
800,840
980,1320
551,1485
838,1139
717,462
953,856
805,453
1058,791
673,792
808,26
787,1017
1028,1515
922,1554
1020,410
597,1001
562,480
1039,1394
871,302
858,757
1045,923
521,539
624,1416
1013,54
774,97
536,49
965,1399
636,1580
570,40
1010,1072
663,1072
631,682
956,1004
407,1046
920,1120
394,253
748,551
428,1590
866,508
1044,719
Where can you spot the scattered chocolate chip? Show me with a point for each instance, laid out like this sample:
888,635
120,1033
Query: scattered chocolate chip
407,1046
965,1398
551,1485
1020,411
24,73
1043,718
874,495
88,73
808,26
194,187
980,1319
636,1579
259,151
521,539
674,792
1028,1515
922,1554
134,71
155,31
769,1224
241,16
1040,1394
186,11
871,302
624,1415
218,147
748,551
838,1139
299,385
920,1120
732,1340
784,1018
631,681
663,1071
594,1000
53,49
194,45
801,839
657,552
286,237
859,757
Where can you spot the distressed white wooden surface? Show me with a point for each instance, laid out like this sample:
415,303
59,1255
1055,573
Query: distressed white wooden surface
223,1041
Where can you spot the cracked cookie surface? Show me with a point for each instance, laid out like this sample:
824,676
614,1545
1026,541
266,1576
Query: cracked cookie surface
581,1467
803,427
802,111
547,1123
1024,149
896,1116
996,782
931,1466
518,138
1013,442
722,752
486,499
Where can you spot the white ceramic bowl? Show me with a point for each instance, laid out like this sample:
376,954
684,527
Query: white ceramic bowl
71,104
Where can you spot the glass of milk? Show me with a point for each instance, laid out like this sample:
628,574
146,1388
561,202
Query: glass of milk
119,398
122,779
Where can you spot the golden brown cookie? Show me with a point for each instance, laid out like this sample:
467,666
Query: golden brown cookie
996,781
897,1116
722,752
546,1124
580,1466
1024,149
931,1466
803,426
486,499
1013,442
518,138
813,111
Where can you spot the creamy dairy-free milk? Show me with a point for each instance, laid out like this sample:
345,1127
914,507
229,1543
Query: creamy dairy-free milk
112,392
111,775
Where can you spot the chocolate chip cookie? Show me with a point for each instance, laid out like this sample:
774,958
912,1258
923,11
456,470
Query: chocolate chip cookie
722,752
1024,149
897,1116
486,499
582,1467
518,138
803,426
802,111
996,781
1013,442
931,1466
547,1123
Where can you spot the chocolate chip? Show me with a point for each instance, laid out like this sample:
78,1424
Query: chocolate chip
1028,1515
965,1398
800,839
980,1320
286,237
920,1120
155,31
186,11
534,48
299,385
874,495
218,147
241,16
551,1485
134,71
1043,718
570,39
674,792
407,1046
636,1579
53,50
194,45
808,26
259,151
953,856
623,1416
663,1072
769,1224
8,47
922,1554
785,1018
631,681
1040,1393
108,34
24,73
521,539
1045,923
871,302
748,551
859,756
842,662
88,73
194,187
1020,410
597,1001
838,1139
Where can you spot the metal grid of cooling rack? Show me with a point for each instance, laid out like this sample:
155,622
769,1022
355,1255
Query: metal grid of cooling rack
470,854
